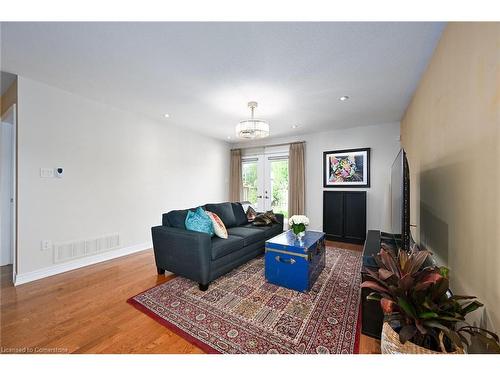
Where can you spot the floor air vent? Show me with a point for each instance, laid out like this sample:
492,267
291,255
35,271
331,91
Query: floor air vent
65,251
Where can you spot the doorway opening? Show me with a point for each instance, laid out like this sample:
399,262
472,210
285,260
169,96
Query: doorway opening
8,189
265,182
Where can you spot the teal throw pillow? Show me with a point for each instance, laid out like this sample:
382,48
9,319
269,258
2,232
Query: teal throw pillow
200,211
200,222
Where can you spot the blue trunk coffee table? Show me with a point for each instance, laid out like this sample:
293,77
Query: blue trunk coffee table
292,263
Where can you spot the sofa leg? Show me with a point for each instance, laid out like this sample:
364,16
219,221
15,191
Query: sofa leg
161,271
203,287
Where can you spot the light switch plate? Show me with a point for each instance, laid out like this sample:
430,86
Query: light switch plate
46,245
47,172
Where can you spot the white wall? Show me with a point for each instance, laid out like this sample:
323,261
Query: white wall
121,171
384,143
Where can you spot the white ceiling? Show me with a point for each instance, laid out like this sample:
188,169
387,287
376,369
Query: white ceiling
204,74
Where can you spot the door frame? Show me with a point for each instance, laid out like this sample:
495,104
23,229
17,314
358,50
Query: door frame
10,117
259,159
264,160
268,158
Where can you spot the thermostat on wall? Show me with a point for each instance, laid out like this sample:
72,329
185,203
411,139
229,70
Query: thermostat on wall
58,172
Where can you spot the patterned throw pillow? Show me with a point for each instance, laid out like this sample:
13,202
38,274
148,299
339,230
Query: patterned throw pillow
251,213
264,219
199,221
219,227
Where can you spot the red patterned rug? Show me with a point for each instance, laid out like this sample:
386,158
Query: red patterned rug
241,313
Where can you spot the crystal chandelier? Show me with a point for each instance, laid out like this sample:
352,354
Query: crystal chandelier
252,128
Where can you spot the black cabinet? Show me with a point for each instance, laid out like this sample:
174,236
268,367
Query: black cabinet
344,215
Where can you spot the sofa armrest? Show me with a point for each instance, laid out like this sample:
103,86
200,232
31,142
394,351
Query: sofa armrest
281,218
183,252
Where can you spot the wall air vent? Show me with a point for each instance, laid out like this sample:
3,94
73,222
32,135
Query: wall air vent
65,251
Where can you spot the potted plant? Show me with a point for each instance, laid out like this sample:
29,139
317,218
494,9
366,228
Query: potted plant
298,224
420,314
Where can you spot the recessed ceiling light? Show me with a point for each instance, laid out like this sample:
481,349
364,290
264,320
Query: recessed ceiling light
344,98
166,115
295,126
228,137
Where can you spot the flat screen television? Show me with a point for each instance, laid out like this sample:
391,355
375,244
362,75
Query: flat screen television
400,201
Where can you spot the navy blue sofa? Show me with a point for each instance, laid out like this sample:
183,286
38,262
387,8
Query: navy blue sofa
202,258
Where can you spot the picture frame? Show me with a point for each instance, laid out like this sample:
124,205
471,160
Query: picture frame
346,168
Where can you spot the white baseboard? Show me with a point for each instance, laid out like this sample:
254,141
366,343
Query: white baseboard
79,263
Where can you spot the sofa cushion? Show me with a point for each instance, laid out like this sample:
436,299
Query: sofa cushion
176,218
269,230
249,235
273,230
224,211
239,214
221,246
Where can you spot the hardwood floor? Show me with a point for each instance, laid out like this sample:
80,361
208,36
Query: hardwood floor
85,311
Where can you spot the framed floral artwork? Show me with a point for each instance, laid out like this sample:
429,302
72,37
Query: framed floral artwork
346,168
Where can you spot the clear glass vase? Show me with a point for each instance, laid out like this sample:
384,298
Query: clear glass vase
299,235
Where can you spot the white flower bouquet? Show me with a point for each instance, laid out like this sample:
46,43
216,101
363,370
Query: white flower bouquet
298,223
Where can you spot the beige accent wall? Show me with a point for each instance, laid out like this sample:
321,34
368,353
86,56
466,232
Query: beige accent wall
8,98
451,133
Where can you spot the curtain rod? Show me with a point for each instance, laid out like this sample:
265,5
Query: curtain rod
274,145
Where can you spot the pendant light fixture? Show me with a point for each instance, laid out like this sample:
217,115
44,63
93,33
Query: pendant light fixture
252,128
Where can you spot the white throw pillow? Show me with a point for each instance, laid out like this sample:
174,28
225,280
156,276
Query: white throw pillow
219,227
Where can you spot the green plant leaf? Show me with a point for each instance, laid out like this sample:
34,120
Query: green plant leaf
457,297
449,318
373,296
428,315
471,307
407,307
443,271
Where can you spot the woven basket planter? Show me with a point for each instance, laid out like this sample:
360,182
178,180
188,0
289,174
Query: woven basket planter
390,344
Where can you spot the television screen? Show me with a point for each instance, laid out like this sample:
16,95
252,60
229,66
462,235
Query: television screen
400,201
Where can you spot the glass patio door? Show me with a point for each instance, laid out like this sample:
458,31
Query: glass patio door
253,179
265,182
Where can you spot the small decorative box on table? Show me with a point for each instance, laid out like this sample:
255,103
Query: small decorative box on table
295,264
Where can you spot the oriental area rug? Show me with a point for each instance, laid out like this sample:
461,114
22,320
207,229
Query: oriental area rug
241,313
